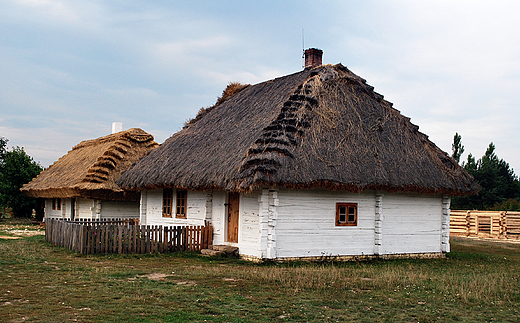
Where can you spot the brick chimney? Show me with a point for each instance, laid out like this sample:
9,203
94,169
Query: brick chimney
313,57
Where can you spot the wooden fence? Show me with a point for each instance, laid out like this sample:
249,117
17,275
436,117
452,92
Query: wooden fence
123,236
485,224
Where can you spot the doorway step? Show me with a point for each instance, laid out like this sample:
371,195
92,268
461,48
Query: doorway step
220,250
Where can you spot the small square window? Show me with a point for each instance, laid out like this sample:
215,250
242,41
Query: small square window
56,204
346,214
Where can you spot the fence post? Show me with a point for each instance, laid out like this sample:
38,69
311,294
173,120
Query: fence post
468,223
491,219
503,223
119,239
476,224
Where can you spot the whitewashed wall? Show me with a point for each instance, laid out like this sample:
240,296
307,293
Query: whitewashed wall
196,209
294,223
50,213
218,217
305,224
411,223
93,209
84,208
118,209
249,224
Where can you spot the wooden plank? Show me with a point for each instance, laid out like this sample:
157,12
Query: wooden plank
107,237
146,239
141,239
163,239
94,236
87,238
98,239
134,238
103,243
167,238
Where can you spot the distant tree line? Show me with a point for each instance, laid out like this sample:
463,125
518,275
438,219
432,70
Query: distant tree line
500,186
16,168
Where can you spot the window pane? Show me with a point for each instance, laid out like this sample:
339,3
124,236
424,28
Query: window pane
351,214
181,204
342,214
167,202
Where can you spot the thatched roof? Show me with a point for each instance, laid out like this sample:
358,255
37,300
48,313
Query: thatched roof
322,127
91,168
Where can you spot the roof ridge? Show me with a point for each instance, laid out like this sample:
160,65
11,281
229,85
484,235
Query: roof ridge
100,170
134,134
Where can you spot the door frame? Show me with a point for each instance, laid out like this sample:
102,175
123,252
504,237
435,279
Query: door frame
72,208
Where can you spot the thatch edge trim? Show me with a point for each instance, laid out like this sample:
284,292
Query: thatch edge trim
99,194
324,184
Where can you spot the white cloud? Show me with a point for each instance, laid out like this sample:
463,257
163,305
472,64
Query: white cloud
70,68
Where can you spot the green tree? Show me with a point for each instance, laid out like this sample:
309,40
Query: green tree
16,168
457,147
3,147
498,181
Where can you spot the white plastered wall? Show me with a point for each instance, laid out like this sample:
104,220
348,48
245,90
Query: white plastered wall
50,213
301,223
305,224
151,213
93,209
402,223
412,223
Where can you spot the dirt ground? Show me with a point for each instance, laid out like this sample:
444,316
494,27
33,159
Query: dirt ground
16,231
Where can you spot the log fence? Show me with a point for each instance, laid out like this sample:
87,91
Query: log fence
485,224
125,236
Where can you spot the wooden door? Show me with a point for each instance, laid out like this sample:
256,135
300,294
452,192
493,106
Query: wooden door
233,211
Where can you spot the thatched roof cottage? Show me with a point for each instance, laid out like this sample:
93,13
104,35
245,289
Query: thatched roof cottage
306,165
81,184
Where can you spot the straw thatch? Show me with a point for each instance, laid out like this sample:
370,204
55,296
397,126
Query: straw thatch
322,127
91,168
232,89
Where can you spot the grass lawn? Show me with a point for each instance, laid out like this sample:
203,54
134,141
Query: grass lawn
478,282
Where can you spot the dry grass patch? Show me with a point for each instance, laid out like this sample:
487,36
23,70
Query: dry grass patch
478,282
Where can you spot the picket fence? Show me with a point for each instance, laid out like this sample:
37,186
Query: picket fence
485,224
125,236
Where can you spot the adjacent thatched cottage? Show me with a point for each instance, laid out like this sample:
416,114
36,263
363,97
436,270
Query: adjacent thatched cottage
81,184
310,164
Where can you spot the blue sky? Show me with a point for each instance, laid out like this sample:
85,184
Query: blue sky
68,69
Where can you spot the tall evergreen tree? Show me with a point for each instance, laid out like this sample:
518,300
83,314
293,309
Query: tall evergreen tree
498,181
457,147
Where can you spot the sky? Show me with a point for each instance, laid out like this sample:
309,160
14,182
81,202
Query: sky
68,69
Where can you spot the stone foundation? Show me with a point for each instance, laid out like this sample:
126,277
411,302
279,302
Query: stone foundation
429,255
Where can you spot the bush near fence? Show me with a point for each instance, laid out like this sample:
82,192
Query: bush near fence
125,236
485,224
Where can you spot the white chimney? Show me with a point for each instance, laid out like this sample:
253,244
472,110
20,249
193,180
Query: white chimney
117,126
